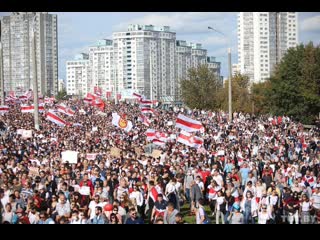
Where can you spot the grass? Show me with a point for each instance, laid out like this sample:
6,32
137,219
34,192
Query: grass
185,210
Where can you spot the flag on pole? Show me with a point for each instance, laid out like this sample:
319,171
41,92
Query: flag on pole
121,122
30,109
189,140
97,91
51,116
4,109
188,124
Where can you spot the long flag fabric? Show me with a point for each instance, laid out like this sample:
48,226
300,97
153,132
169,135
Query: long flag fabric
188,124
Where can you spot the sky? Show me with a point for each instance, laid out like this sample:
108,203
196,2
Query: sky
78,31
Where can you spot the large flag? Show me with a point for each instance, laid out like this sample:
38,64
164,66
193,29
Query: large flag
64,109
30,109
51,116
108,94
97,91
98,102
137,95
151,134
89,98
188,124
146,121
4,109
147,110
121,122
189,140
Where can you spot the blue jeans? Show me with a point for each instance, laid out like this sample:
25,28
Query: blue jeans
226,217
187,194
248,217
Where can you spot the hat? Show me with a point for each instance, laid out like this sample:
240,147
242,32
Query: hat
236,206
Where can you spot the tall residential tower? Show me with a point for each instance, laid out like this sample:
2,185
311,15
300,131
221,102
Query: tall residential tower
263,39
16,32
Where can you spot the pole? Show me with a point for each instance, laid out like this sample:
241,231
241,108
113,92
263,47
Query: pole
230,86
35,81
1,75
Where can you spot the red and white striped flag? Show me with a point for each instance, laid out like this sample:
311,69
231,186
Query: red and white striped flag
151,134
30,109
4,109
158,142
147,110
51,116
137,95
97,91
189,140
188,124
64,109
146,121
145,102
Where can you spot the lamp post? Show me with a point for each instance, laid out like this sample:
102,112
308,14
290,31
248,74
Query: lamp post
35,80
1,75
230,74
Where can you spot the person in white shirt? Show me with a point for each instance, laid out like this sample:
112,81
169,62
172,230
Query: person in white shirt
305,208
220,207
137,197
75,219
263,215
92,206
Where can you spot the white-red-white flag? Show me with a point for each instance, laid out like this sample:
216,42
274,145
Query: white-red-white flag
146,121
66,110
4,109
188,124
151,134
30,109
189,140
51,116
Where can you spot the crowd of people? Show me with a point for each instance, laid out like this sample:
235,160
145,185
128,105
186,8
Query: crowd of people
263,169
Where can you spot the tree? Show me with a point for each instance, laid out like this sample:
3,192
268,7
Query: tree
61,94
241,101
295,84
259,98
200,89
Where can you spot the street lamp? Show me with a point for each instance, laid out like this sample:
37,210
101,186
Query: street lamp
230,73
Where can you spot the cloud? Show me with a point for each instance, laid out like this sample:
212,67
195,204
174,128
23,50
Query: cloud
311,24
183,22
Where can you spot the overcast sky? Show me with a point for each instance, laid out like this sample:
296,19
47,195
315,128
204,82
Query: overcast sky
77,31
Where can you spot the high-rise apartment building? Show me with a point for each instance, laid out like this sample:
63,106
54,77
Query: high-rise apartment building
78,75
102,67
263,39
16,32
144,60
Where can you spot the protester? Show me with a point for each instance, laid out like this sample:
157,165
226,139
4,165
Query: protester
251,162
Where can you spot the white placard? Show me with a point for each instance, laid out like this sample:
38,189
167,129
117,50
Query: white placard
91,156
94,129
84,190
26,134
20,131
69,156
169,123
221,153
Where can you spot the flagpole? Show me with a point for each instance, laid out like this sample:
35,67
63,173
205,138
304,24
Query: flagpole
35,80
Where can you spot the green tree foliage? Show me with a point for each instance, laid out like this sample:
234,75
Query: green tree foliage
241,101
259,98
295,85
200,89
61,95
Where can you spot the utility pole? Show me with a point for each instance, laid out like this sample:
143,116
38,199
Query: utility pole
230,85
35,80
1,75
230,72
